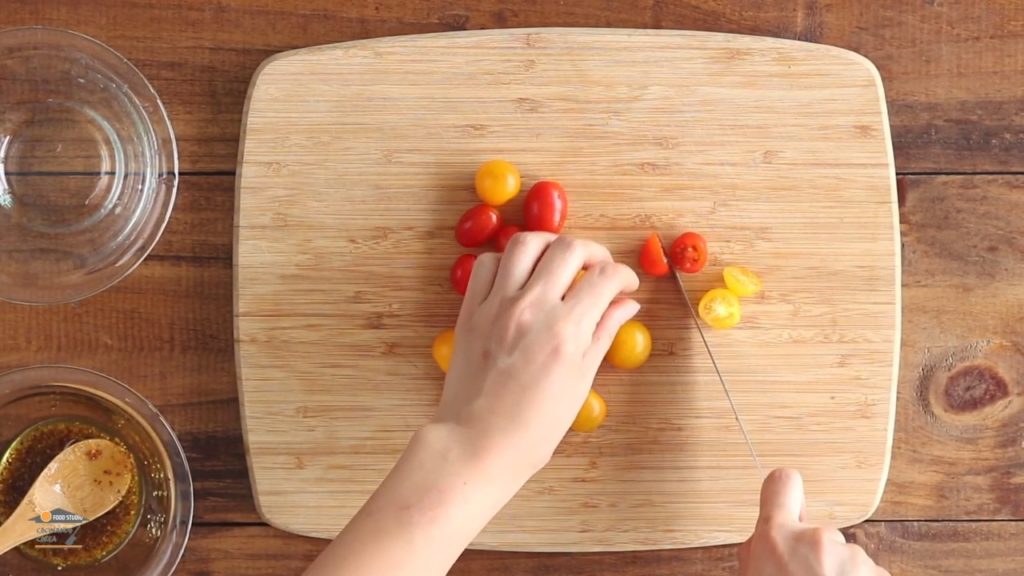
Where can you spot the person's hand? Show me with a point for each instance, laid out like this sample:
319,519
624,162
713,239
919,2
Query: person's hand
528,344
784,545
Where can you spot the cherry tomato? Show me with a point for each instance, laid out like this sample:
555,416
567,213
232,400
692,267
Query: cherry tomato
477,225
720,308
631,346
497,182
689,252
591,415
741,281
442,349
652,257
576,280
505,233
461,270
546,207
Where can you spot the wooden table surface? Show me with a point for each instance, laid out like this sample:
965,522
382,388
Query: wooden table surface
954,77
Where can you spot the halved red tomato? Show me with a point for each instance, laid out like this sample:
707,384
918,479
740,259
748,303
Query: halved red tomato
689,252
652,257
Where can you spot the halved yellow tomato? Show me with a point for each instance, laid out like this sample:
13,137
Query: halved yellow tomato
442,349
742,281
720,308
591,415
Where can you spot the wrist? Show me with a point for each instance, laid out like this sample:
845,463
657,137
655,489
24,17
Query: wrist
478,459
436,499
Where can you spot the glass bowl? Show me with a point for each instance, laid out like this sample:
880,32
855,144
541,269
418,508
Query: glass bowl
45,397
88,166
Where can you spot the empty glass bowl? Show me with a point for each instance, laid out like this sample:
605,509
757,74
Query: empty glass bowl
45,407
88,166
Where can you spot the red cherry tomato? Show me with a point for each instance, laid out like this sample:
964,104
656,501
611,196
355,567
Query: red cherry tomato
477,225
505,233
461,271
546,207
652,257
689,252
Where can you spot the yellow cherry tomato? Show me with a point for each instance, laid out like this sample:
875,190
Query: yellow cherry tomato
720,308
631,346
741,281
579,276
591,415
497,182
442,349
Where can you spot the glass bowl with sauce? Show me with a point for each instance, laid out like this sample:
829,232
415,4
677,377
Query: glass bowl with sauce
44,409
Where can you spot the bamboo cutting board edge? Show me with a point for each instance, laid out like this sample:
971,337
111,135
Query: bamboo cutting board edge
898,267
895,220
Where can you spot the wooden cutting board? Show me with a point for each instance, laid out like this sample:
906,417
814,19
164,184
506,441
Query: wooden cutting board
358,158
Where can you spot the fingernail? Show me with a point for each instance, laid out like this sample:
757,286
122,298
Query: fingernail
634,308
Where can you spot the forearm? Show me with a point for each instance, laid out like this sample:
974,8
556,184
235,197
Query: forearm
436,499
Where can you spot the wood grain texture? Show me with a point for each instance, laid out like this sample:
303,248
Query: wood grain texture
960,424
357,160
950,68
184,332
166,332
905,548
182,360
201,222
950,71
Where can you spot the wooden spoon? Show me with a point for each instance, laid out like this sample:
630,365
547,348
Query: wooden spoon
81,484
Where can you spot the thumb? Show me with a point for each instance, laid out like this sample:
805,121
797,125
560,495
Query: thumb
782,497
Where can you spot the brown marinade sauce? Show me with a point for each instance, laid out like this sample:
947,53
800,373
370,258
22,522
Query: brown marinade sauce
26,458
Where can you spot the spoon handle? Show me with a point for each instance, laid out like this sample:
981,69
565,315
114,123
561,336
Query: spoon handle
16,530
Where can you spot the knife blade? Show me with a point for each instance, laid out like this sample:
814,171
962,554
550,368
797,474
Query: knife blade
714,362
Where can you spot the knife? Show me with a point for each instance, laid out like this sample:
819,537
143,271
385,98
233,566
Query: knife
714,363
